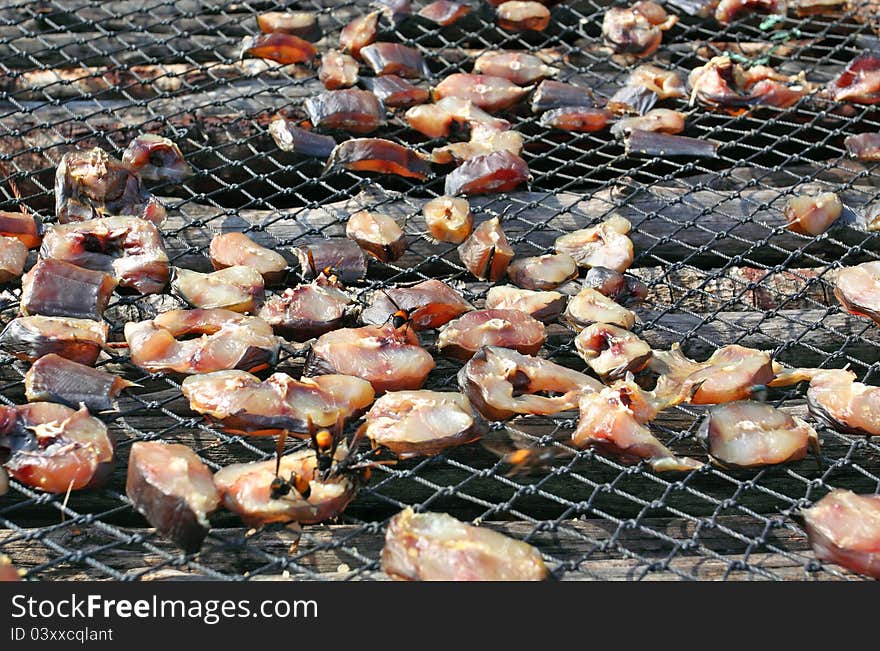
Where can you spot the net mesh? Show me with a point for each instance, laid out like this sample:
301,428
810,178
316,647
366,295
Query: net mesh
709,241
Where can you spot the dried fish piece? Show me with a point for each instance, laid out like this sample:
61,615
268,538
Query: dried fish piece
864,146
30,337
422,423
282,48
437,547
844,528
580,119
543,306
377,234
340,254
488,92
464,336
241,403
659,120
485,140
837,401
636,30
24,227
500,171
650,143
858,289
444,12
57,288
237,288
292,138
449,219
428,304
174,490
13,256
55,379
722,84
247,489
435,120
90,183
395,59
128,248
395,10
156,159
528,16
337,70
299,23
54,448
749,434
359,33
487,253
621,288
612,352
859,83
604,245
552,94
396,92
590,306
389,358
350,109
519,67
542,272
380,156
501,383
607,423
819,7
228,341
812,215
644,87
729,10
237,249
306,311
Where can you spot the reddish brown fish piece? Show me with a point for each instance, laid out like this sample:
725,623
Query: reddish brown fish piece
604,245
812,215
489,93
435,120
864,146
519,67
579,119
395,59
128,248
237,249
91,183
449,219
8,571
859,83
461,338
13,256
543,306
500,171
337,70
389,358
837,401
156,159
429,304
380,156
55,379
306,311
299,23
224,340
422,423
722,84
621,288
30,337
377,234
173,489
636,30
612,352
340,254
444,12
487,253
239,288
242,403
351,109
292,138
858,289
279,47
396,92
552,94
542,272
519,16
57,288
658,120
54,448
359,33
844,528
484,140
24,227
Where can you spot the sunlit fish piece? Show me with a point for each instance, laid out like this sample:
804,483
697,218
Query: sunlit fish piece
377,234
612,352
57,288
30,337
292,138
844,528
543,306
542,272
461,338
337,70
156,159
519,67
590,306
428,305
636,30
395,59
519,16
237,249
359,33
55,379
380,156
350,109
604,245
237,288
449,219
396,92
487,253
488,92
500,171
279,47
809,215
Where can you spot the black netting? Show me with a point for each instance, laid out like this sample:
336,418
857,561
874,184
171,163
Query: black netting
710,243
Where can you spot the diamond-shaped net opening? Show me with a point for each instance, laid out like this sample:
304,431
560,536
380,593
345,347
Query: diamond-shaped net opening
710,243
